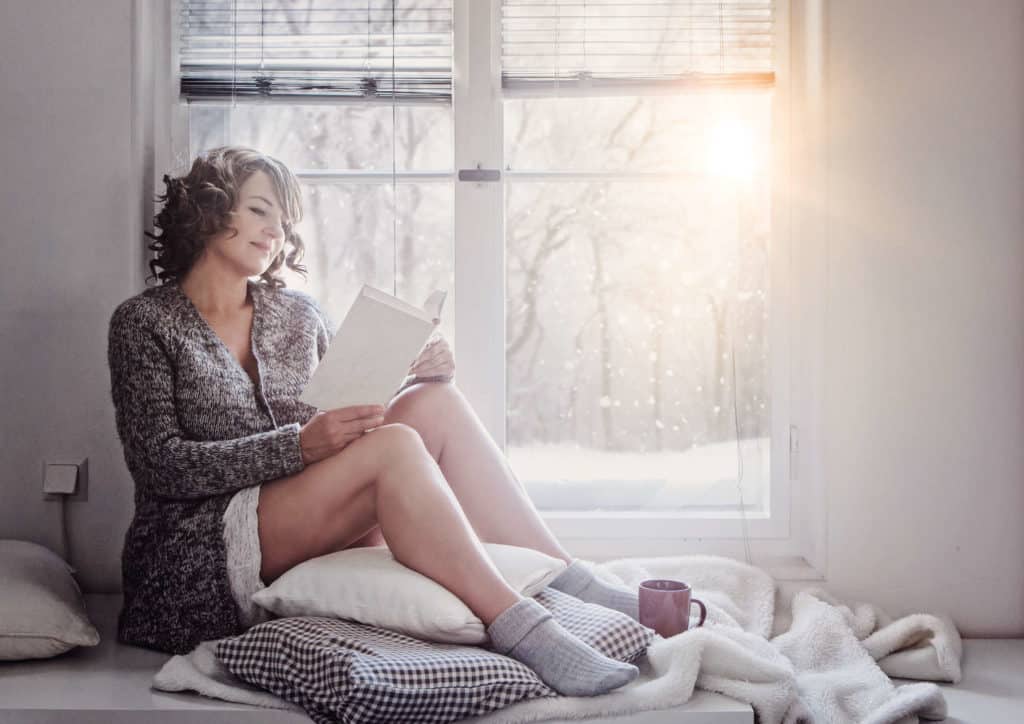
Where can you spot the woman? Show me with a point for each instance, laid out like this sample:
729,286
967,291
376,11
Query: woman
236,480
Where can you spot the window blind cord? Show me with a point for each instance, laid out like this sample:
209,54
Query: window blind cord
394,165
558,48
735,402
739,452
366,59
721,38
234,57
691,66
585,66
263,20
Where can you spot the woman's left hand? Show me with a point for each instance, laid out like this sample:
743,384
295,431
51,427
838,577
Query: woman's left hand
436,360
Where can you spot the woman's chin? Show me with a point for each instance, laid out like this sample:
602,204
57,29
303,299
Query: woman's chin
257,269
253,265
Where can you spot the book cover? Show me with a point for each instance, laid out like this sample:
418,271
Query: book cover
372,350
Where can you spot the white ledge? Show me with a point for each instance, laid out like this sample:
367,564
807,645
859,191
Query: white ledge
111,684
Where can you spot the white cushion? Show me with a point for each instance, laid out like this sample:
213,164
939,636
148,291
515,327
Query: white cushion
368,585
42,612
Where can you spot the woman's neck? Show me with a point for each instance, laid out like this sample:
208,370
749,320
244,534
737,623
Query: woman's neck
213,291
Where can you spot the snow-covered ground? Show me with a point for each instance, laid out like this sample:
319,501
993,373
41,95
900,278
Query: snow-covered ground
569,477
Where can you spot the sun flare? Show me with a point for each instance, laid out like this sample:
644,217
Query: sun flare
730,151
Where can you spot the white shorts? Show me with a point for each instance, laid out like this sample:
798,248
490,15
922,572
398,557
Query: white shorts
242,541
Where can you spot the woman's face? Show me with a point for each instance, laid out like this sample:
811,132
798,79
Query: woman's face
258,219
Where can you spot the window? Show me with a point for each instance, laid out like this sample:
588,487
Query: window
638,188
362,222
636,258
355,97
630,252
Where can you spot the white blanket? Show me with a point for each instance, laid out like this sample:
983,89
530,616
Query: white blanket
811,659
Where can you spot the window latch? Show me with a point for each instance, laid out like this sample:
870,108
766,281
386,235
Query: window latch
479,174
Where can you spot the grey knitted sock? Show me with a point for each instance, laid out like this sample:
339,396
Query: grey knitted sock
577,580
526,632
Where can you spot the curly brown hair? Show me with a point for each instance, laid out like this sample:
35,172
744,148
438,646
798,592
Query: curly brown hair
197,207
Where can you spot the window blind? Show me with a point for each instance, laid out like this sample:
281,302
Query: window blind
575,44
307,49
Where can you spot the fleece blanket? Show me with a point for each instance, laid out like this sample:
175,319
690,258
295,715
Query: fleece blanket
811,659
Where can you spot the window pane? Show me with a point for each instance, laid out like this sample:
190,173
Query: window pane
350,241
355,233
671,133
343,137
624,297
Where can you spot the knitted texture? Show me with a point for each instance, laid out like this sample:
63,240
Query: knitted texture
527,632
579,581
195,430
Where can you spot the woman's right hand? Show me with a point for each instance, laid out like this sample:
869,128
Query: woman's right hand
329,431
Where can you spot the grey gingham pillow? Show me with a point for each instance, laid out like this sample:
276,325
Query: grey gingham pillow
614,634
340,670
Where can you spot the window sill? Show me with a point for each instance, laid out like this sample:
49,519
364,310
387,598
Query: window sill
779,561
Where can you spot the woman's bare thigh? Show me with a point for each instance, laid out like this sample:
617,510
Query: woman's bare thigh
328,506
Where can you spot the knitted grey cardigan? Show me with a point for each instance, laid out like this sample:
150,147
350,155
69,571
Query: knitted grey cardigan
195,430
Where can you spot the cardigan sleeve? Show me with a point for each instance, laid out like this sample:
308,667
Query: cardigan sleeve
142,387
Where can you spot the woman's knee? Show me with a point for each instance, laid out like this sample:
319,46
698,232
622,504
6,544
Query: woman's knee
396,442
421,401
424,407
389,456
372,452
405,462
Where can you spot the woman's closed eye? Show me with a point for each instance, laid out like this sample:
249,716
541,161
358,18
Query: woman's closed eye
261,212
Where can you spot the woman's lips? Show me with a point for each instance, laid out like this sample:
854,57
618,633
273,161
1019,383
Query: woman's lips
264,247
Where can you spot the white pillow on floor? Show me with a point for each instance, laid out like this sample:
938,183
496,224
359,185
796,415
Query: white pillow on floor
368,585
42,613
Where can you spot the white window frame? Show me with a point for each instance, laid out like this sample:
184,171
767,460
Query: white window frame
791,544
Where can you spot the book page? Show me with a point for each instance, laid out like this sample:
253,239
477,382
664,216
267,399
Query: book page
370,354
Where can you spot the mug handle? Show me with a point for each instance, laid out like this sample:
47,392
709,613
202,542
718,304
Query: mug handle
703,610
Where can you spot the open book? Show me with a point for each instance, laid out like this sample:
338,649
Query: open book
372,350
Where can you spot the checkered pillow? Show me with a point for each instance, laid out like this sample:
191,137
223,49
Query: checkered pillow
614,634
344,671
340,670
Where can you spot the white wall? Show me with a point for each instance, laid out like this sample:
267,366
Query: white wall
69,218
925,380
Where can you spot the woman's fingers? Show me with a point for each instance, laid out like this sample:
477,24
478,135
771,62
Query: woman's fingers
329,431
446,370
435,349
366,423
435,359
356,412
357,428
428,357
351,422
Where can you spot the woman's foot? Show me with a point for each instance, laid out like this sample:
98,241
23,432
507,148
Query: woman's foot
527,632
579,581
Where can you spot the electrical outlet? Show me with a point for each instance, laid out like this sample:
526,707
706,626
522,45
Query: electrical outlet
62,475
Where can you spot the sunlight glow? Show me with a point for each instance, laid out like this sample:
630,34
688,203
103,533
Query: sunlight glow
730,151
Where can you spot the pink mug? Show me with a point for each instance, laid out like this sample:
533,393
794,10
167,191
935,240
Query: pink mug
665,606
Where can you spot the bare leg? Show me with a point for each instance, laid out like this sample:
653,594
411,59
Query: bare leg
494,500
492,497
386,477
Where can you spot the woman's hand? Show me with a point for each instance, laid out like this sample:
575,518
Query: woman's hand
436,360
330,431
